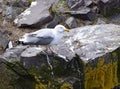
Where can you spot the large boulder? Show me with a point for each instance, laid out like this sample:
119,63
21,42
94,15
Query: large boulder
87,58
36,15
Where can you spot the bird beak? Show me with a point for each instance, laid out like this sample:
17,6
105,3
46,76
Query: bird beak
67,30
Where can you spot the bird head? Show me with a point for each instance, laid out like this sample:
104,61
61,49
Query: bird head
61,29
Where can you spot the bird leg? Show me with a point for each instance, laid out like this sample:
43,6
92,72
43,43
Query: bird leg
49,63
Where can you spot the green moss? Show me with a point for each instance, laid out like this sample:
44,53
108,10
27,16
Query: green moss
104,76
118,68
110,12
60,6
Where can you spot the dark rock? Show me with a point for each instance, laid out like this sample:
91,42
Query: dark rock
83,13
18,3
71,22
75,4
39,11
116,87
108,7
33,57
3,43
115,18
54,22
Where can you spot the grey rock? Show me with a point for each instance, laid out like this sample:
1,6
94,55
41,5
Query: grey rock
1,10
36,15
83,13
71,22
3,43
10,12
75,4
13,53
89,43
88,2
5,32
101,21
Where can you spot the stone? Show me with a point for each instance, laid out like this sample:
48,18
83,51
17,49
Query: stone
11,12
83,13
92,53
114,18
75,4
14,53
3,43
88,41
39,11
33,57
108,7
76,39
54,22
101,21
88,2
71,22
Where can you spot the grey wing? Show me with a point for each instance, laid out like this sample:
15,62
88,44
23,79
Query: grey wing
42,38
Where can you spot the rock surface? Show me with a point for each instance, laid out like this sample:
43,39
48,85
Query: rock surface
71,22
40,13
85,51
88,42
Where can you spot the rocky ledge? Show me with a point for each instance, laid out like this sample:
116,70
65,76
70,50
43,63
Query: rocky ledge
87,58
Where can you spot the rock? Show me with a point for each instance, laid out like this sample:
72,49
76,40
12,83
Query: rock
18,3
11,12
115,18
116,87
101,21
3,43
39,11
92,53
88,40
54,22
108,7
88,3
33,57
1,10
75,4
14,53
83,13
71,22
5,32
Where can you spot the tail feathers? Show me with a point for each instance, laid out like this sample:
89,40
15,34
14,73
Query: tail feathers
20,42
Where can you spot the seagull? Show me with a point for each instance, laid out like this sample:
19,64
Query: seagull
45,37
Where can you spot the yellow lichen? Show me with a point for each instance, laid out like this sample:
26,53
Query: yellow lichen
66,86
40,86
104,76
